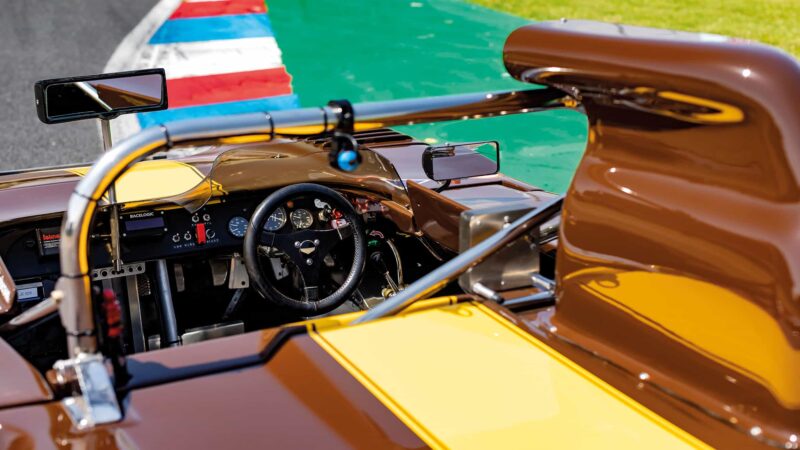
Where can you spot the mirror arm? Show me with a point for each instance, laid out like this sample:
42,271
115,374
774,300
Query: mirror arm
443,186
116,259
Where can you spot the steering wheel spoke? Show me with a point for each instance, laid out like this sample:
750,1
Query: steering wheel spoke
311,293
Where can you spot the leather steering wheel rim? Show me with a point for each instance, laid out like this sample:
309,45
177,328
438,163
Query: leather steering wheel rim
255,235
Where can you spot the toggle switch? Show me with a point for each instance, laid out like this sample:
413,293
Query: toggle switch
200,232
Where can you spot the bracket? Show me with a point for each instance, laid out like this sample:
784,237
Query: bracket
94,401
344,154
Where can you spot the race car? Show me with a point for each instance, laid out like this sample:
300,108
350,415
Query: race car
312,278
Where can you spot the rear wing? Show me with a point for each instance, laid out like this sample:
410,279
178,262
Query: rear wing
679,241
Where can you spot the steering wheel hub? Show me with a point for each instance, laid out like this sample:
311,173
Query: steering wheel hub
307,247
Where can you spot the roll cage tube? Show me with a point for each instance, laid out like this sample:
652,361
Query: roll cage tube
75,306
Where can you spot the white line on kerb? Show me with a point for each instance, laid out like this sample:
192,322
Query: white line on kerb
191,59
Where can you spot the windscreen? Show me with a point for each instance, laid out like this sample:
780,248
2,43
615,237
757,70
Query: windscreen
192,182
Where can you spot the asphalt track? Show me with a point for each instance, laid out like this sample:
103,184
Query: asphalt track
49,39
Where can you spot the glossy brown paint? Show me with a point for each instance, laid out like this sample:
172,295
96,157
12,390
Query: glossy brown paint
301,398
22,383
8,289
436,216
691,170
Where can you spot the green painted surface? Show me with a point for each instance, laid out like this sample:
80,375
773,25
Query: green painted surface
374,50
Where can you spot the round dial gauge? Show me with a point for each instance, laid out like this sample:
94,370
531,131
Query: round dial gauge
302,218
276,220
237,226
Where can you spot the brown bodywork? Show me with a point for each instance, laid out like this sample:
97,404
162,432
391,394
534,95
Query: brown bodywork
691,168
301,398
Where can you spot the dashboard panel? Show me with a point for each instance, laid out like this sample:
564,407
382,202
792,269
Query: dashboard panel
164,233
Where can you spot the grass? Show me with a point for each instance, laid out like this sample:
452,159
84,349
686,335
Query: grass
773,22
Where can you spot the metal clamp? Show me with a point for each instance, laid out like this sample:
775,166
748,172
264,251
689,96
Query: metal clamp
94,401
543,283
485,292
344,148
105,273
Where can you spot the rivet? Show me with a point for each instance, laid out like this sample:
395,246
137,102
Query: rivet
755,431
296,244
309,261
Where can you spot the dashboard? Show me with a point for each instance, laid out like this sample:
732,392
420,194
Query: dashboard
31,250
163,233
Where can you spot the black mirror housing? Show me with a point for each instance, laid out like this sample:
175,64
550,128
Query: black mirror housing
454,161
103,96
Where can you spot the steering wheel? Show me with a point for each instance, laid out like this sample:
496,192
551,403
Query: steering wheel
323,245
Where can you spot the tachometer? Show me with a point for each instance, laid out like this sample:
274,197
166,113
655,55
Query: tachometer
302,218
276,220
237,226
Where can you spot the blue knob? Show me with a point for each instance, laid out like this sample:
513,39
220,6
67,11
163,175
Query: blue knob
347,160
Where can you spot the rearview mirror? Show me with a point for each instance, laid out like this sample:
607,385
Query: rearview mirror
102,96
453,161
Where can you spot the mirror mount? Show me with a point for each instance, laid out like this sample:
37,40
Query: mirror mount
116,259
444,186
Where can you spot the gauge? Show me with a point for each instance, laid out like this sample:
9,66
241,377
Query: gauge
237,226
276,220
302,218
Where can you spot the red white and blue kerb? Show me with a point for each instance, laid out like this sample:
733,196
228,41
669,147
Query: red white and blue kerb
220,58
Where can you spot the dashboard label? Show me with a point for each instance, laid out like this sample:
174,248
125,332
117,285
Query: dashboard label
143,224
29,292
49,240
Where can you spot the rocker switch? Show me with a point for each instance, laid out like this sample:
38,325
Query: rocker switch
200,232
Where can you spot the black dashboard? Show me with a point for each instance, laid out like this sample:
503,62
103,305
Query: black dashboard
163,233
31,250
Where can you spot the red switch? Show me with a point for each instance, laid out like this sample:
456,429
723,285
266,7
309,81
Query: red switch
200,229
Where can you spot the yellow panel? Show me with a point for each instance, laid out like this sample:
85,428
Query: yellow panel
461,376
150,180
722,325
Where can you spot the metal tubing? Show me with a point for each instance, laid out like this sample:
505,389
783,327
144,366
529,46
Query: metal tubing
537,300
455,107
42,309
169,325
135,313
76,311
451,270
116,260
